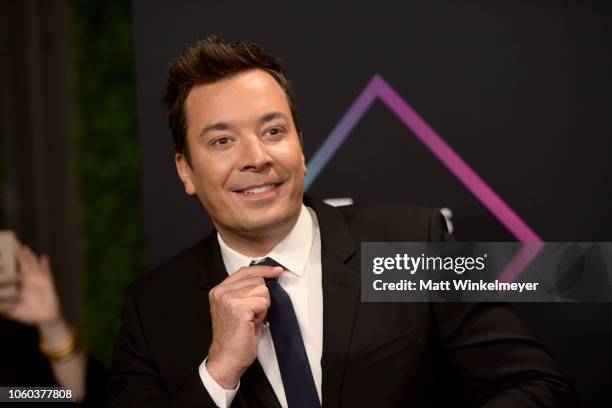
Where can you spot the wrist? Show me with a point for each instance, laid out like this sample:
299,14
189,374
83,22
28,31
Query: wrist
226,376
54,331
61,342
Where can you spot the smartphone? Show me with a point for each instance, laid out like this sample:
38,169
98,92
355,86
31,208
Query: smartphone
8,260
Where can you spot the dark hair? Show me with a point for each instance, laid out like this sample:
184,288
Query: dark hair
211,60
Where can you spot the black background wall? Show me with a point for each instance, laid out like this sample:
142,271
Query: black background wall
521,92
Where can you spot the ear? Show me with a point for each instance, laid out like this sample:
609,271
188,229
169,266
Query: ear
185,173
304,165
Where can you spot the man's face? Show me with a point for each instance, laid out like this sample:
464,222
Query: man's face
247,166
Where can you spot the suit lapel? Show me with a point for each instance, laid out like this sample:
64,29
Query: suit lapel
341,289
340,297
212,272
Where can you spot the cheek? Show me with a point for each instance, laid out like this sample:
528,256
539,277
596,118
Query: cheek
214,175
289,156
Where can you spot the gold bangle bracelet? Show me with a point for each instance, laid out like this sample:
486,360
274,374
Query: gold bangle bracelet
65,349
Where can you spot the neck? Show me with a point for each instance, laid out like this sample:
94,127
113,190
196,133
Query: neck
256,244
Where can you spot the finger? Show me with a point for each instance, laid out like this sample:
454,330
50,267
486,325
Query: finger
246,292
13,311
226,287
239,303
10,298
6,308
45,265
253,309
25,258
9,293
252,280
260,307
8,305
261,271
28,254
8,279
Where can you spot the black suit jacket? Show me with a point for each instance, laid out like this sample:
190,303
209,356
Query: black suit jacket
374,354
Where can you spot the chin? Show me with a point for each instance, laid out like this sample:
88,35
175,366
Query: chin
268,220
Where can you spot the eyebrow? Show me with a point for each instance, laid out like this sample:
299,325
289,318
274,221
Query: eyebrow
269,117
216,126
221,126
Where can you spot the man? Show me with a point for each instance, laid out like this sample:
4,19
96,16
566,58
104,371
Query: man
212,327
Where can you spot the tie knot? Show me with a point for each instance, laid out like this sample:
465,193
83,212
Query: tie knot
267,261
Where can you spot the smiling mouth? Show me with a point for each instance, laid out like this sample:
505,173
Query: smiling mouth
259,189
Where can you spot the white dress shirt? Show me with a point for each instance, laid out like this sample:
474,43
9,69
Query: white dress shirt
300,254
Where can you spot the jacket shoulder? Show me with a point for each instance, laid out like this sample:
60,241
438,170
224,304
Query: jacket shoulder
395,222
177,272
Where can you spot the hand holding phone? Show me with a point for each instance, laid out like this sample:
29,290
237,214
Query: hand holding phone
35,302
9,279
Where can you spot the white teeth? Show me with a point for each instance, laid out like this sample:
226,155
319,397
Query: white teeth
258,190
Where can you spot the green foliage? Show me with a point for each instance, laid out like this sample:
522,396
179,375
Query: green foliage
108,163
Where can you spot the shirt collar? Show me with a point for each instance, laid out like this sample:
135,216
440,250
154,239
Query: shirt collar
292,252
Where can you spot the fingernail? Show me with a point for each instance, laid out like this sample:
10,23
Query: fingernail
278,269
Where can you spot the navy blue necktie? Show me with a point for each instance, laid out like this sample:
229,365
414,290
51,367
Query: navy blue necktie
298,381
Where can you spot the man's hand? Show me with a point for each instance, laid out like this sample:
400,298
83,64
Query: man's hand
237,305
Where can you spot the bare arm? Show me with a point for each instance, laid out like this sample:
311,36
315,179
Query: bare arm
36,304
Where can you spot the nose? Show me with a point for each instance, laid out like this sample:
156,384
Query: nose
254,155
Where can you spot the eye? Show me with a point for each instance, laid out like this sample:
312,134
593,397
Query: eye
275,132
221,142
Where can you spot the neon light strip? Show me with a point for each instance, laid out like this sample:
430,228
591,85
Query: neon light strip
378,87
